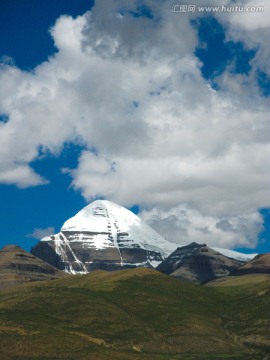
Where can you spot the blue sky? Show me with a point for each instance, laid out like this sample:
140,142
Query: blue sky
165,113
26,40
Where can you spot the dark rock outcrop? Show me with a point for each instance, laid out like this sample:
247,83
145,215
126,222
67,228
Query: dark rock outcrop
46,252
18,267
198,263
76,257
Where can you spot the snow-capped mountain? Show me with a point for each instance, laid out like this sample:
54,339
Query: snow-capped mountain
103,235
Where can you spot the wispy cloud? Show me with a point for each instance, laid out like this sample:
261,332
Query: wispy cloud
41,233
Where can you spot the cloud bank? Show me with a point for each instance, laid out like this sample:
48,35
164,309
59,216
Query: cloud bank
126,84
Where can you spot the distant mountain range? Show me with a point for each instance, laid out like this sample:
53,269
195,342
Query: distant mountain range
106,236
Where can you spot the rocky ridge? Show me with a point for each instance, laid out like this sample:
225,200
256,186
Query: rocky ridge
259,265
18,267
198,263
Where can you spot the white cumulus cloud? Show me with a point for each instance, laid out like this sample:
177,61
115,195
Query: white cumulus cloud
184,225
130,90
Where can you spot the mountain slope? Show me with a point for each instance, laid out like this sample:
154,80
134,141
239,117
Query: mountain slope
259,265
197,263
254,272
129,314
18,267
134,314
245,304
105,236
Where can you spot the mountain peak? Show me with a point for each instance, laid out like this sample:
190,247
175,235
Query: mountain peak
104,235
91,217
107,236
194,245
197,263
10,248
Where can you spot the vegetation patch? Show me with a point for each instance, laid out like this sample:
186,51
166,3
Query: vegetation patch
134,314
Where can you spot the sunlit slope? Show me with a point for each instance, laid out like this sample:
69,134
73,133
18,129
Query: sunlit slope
19,267
129,314
245,309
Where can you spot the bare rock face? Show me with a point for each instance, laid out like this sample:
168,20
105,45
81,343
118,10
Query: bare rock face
76,257
198,263
259,265
106,236
18,267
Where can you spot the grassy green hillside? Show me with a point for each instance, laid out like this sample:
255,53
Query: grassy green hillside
133,314
245,310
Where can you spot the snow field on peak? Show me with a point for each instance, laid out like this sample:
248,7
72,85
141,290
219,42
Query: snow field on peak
235,254
105,216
